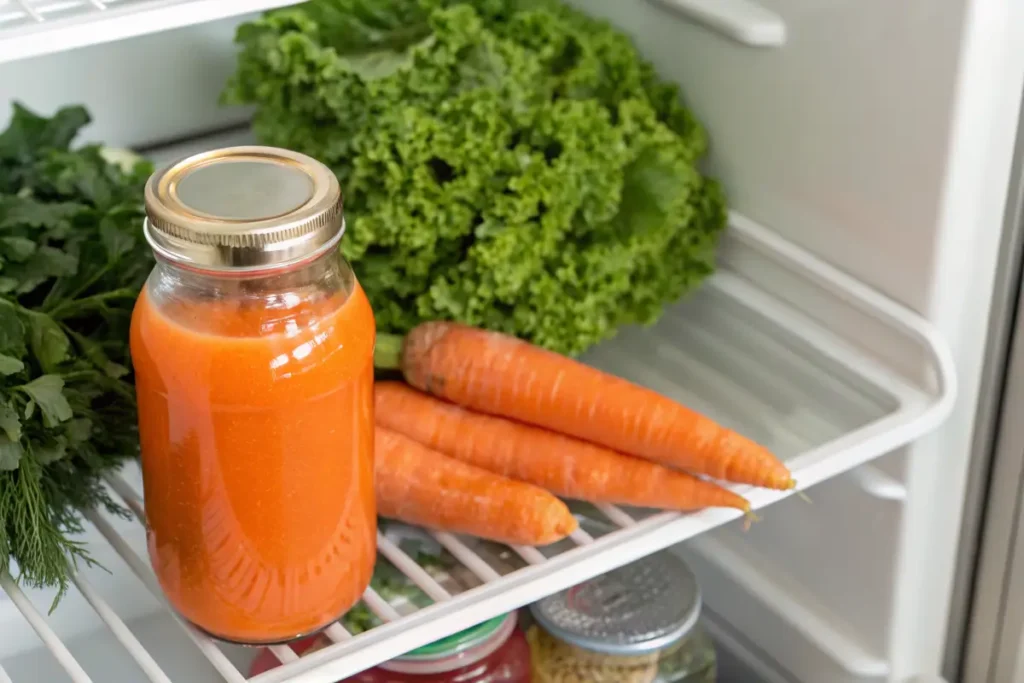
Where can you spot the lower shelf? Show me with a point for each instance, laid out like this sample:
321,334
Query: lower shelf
737,662
778,345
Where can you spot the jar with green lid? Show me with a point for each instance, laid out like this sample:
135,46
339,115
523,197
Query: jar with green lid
636,624
494,651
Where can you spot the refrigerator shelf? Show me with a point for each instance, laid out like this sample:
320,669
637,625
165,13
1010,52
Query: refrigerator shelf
778,345
30,28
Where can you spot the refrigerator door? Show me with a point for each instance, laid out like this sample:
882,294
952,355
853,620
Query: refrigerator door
995,637
987,615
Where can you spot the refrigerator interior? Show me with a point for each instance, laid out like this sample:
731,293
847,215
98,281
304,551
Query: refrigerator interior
820,143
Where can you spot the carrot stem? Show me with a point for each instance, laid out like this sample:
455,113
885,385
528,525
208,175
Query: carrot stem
387,354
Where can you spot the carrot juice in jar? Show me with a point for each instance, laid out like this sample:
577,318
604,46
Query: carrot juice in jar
252,344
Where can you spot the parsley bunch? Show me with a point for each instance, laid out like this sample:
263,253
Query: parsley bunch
72,261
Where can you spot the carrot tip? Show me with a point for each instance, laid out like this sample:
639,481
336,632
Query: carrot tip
749,519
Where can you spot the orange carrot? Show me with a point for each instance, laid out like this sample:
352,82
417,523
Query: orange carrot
501,375
561,464
420,486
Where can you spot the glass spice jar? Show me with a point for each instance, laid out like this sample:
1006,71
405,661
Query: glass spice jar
492,652
252,345
636,624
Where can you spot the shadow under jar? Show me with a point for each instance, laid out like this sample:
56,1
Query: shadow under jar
252,345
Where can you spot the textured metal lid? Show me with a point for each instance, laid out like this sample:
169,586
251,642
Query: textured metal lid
642,607
243,208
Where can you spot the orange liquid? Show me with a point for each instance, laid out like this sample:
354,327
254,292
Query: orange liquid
257,458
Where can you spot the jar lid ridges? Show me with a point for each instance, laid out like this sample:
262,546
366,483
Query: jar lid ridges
639,608
243,208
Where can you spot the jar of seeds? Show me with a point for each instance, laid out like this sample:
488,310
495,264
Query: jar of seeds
636,624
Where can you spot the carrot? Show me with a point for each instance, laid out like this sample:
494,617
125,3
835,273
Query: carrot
501,375
420,486
561,464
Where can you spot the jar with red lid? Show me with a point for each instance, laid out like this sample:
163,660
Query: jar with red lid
495,651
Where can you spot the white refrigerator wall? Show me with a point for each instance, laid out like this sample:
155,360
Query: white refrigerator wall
879,137
140,91
985,119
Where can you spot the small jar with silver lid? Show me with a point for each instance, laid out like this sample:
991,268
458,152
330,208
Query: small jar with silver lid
636,624
252,345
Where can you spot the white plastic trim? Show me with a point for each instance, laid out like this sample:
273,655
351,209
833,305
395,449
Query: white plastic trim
744,21
217,658
531,555
726,640
919,413
879,484
616,515
29,10
120,631
45,31
408,566
283,653
47,27
4,678
467,557
581,537
337,633
43,630
816,629
380,607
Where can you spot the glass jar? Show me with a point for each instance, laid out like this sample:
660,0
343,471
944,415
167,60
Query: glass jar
636,624
492,652
252,345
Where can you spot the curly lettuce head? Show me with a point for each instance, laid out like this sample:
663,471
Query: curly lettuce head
510,164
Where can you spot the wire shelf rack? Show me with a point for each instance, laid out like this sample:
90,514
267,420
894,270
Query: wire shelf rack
769,347
31,28
69,24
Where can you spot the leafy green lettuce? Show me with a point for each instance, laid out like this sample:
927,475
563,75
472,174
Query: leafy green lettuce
511,164
72,260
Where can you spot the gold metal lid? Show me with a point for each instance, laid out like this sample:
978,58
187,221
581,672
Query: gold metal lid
243,208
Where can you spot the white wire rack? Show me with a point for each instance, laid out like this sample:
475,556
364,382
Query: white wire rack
778,345
30,28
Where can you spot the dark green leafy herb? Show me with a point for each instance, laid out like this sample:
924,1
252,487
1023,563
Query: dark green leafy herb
72,260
